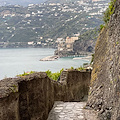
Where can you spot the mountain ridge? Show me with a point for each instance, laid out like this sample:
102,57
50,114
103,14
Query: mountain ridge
21,2
44,23
27,2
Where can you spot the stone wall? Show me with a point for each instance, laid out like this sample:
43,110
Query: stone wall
78,85
104,95
32,97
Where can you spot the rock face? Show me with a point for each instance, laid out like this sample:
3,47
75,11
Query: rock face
104,94
84,45
32,97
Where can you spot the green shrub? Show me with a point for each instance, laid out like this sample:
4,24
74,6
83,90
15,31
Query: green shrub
49,73
26,73
72,68
80,68
106,16
109,11
112,6
101,27
54,76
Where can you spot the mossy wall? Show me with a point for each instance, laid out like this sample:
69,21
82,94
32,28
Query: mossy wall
105,80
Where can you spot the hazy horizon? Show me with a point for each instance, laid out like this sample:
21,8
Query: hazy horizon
21,2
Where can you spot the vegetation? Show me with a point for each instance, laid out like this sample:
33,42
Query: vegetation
13,88
109,11
89,35
54,76
72,68
80,68
86,41
46,21
101,27
26,73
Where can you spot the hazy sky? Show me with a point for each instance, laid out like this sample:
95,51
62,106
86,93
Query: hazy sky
22,2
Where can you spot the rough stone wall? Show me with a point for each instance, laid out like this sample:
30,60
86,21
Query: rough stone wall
9,98
9,107
36,97
32,97
78,85
104,94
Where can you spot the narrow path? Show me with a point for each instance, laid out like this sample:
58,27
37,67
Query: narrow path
71,111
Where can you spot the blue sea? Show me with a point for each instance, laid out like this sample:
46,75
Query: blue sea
17,61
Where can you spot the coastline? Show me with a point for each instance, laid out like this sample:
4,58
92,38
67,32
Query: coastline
56,57
84,58
50,58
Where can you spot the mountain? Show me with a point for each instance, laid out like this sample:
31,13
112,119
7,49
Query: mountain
45,23
69,1
60,1
26,2
20,2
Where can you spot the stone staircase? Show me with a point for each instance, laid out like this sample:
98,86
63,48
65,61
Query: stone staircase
71,111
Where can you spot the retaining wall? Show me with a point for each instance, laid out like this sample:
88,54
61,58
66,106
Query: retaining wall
32,97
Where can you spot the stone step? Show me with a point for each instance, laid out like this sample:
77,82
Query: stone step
71,111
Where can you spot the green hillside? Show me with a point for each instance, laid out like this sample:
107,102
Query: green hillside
24,24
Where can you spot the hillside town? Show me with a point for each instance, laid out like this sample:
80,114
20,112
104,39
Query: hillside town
46,24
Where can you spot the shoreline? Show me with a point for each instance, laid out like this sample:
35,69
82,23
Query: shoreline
56,57
50,58
83,58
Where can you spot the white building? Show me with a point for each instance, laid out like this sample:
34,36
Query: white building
30,43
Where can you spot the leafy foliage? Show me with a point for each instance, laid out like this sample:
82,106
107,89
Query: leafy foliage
109,11
54,76
26,73
112,6
101,27
89,35
80,68
72,68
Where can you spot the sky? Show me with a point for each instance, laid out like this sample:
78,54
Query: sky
21,2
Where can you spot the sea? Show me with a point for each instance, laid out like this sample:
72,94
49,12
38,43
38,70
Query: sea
19,60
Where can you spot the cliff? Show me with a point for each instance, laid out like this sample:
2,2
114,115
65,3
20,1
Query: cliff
32,97
104,94
86,41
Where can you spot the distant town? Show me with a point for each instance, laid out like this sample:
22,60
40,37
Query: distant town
51,25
